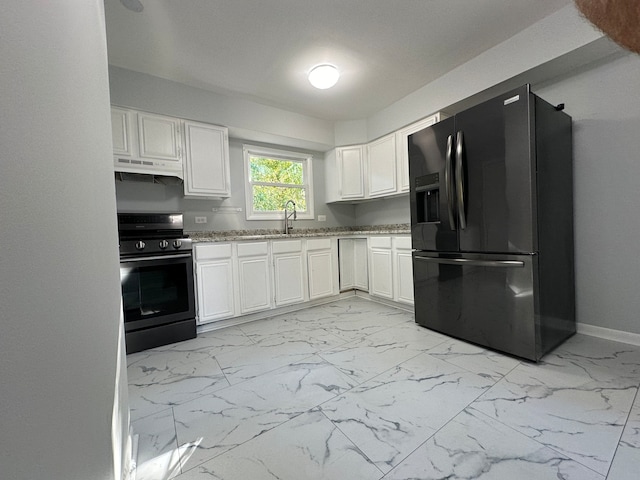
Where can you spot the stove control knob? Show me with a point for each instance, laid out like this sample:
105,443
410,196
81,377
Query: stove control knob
163,244
140,245
177,244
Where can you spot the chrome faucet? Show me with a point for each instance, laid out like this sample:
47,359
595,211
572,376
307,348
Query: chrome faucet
288,222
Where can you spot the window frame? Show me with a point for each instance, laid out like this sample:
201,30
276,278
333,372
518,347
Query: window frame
307,177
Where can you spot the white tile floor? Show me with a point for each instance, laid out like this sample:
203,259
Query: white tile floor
356,390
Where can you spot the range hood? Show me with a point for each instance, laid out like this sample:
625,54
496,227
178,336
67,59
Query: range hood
162,179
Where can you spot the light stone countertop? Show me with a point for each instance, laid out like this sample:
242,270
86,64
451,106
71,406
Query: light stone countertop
266,234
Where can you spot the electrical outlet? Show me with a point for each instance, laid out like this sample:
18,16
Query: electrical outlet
322,218
201,219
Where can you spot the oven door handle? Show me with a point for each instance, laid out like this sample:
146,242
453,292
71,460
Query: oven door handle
155,257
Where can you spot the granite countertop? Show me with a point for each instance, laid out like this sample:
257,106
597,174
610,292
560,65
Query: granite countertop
265,234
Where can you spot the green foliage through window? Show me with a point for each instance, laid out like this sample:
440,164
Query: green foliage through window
276,171
269,199
275,181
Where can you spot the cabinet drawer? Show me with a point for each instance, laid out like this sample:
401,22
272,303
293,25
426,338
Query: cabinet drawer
286,246
380,242
252,249
319,244
212,251
403,243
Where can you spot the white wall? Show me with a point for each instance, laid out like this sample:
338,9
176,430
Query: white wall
559,35
605,106
387,211
63,406
246,120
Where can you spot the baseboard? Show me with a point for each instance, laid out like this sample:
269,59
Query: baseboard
384,301
608,334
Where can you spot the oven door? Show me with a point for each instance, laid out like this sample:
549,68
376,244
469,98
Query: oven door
156,290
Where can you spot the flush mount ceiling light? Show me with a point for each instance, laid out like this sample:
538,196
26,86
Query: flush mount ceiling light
324,76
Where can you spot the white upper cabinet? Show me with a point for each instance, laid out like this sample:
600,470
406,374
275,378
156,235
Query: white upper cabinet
121,130
402,144
374,170
382,166
159,137
351,171
146,143
206,162
345,171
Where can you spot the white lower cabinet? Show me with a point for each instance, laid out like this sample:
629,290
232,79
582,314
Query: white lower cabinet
361,264
239,278
354,264
346,262
288,272
214,282
321,265
403,275
391,268
380,267
253,276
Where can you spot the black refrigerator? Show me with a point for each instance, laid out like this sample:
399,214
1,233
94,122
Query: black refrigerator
492,225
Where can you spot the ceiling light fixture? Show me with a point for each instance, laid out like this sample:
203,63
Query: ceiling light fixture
324,76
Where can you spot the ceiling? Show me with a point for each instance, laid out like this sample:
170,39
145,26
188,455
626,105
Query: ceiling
262,50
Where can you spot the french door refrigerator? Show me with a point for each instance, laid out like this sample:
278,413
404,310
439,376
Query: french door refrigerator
492,225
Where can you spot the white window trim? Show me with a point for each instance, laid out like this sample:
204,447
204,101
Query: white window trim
303,158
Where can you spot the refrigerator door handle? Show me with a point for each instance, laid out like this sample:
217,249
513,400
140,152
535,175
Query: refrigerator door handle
472,263
448,181
460,179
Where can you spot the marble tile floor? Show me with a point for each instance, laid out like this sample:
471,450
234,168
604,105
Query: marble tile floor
356,390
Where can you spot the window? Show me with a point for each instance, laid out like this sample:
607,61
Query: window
272,178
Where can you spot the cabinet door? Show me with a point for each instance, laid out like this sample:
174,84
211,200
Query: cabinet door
382,166
206,163
255,291
289,278
320,265
381,272
361,264
403,148
346,260
215,290
159,137
404,278
351,170
121,132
